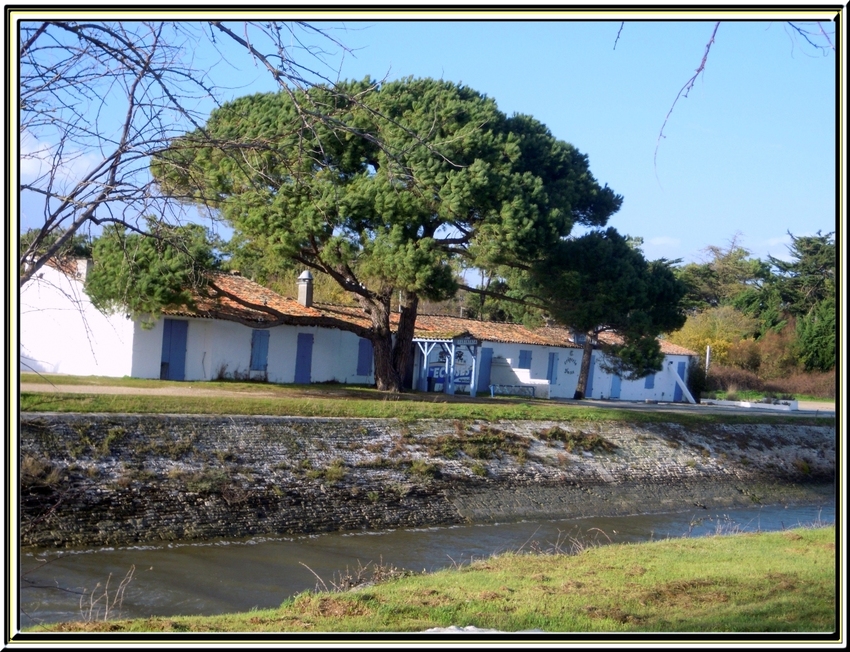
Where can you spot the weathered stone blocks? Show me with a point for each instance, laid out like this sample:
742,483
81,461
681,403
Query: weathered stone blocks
120,479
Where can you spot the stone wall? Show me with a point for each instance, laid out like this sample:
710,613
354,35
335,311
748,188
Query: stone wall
120,479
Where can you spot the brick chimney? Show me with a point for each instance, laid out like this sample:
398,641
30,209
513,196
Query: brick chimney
305,289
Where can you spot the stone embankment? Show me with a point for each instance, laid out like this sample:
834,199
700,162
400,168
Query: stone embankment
122,479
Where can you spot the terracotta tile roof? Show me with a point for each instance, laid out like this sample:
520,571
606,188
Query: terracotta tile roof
67,266
448,327
668,348
223,307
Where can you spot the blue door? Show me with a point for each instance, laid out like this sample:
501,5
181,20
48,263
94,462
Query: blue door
304,358
589,391
484,371
552,372
677,391
615,386
173,361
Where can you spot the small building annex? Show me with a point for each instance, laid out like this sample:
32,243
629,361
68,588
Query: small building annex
61,332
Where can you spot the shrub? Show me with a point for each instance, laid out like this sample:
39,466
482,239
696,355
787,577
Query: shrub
814,384
697,381
777,353
722,378
745,354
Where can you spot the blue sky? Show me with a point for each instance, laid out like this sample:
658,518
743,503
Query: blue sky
751,151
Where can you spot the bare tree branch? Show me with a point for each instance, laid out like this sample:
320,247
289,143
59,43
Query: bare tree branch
619,31
683,92
82,163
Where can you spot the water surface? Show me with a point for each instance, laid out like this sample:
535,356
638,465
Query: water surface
261,572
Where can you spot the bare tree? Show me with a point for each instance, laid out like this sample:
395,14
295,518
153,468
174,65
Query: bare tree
98,99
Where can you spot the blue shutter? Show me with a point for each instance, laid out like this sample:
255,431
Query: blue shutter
304,358
649,383
615,386
524,360
484,370
364,357
259,350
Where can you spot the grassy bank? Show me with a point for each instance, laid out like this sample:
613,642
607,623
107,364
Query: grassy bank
766,582
346,401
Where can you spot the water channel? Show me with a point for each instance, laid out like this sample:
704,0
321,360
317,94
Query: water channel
237,575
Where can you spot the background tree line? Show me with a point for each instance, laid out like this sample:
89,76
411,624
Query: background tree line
768,322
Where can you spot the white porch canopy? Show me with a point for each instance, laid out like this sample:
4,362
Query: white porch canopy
451,346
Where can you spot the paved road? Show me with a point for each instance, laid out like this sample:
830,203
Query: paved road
806,408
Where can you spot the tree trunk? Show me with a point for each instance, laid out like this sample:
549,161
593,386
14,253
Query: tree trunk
387,378
584,372
403,346
392,355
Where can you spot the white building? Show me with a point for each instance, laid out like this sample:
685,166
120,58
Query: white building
61,332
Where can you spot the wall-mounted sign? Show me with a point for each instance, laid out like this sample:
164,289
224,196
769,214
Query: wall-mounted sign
466,341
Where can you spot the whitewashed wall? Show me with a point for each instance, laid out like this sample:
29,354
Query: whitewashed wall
636,390
334,355
62,332
569,361
215,348
147,350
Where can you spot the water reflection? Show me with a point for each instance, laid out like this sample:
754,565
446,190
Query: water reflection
238,575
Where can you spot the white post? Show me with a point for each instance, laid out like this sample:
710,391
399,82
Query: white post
449,386
707,357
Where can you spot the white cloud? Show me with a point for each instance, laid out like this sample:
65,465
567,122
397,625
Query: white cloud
38,157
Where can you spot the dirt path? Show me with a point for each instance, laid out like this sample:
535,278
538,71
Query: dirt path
188,390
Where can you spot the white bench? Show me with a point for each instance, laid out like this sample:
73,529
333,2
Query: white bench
512,390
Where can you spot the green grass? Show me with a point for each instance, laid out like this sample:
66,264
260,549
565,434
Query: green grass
754,395
348,401
405,407
766,582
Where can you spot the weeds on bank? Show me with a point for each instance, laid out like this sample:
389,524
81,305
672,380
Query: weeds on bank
334,472
577,442
481,444
101,604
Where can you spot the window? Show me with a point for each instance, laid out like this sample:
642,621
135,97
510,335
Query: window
259,350
364,357
649,383
524,360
